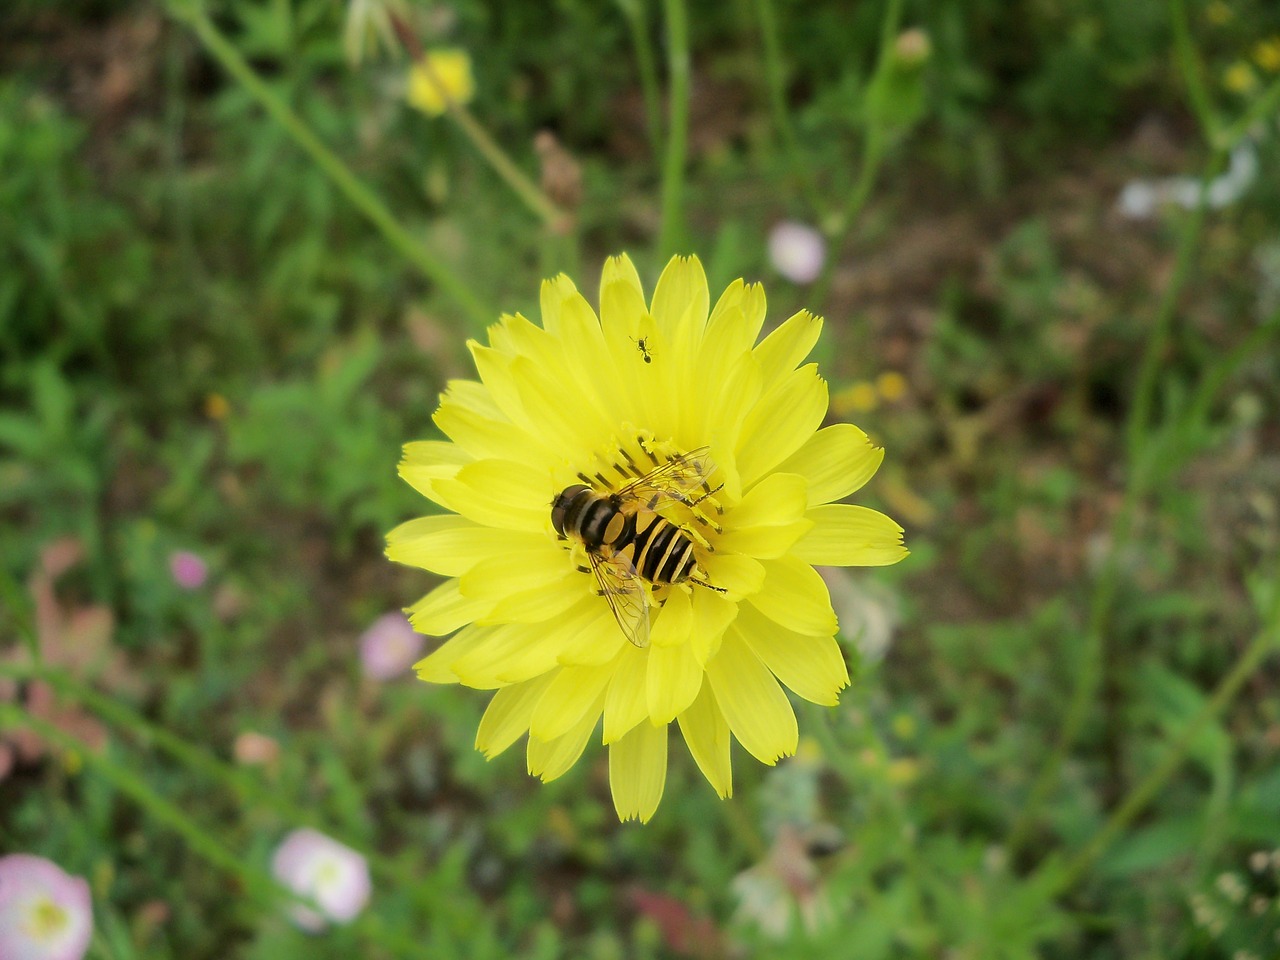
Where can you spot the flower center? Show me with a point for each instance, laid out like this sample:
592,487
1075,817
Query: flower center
46,919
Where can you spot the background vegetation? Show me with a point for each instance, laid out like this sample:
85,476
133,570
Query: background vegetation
1065,738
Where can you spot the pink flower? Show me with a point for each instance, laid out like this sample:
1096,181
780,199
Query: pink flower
45,914
188,569
333,876
389,647
797,251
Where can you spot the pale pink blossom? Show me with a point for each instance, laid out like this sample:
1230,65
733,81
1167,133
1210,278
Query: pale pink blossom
389,647
797,251
45,914
188,569
328,874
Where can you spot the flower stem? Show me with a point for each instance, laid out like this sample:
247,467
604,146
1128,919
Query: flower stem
1106,582
634,11
672,234
1192,70
360,195
524,188
1266,642
16,605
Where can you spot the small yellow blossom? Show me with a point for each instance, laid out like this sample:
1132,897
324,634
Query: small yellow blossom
1266,54
1240,78
1219,13
892,386
216,406
859,397
438,78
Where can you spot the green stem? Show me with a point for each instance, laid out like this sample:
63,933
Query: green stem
875,144
1192,71
672,236
1262,645
360,195
17,604
1088,675
634,11
485,145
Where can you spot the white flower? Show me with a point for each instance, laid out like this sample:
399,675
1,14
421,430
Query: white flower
333,876
797,251
45,914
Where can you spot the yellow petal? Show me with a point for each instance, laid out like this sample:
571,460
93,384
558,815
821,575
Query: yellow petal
836,461
507,717
846,535
785,347
436,667
550,760
737,575
783,418
674,679
554,292
796,596
681,289
531,562
758,712
445,609
498,493
620,269
598,642
537,604
811,666
447,544
427,461
769,519
638,771
626,702
571,693
673,621
482,436
517,652
706,733
712,614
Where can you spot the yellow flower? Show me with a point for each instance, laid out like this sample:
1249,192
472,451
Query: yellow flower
1266,54
891,385
438,77
1240,78
674,383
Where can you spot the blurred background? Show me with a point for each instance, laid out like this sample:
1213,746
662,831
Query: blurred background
239,259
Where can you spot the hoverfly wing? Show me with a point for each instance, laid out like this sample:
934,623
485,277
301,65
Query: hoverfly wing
682,479
626,594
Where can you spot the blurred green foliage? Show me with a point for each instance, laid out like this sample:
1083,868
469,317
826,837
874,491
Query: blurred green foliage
203,346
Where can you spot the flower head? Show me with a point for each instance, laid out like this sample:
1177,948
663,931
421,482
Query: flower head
438,78
45,914
325,871
188,569
389,647
710,493
797,251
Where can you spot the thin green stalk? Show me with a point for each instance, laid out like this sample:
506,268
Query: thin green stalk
875,144
524,188
672,236
1101,601
1265,643
1192,71
255,881
1260,108
18,606
634,11
360,195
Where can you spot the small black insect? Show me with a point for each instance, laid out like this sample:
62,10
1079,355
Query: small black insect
643,344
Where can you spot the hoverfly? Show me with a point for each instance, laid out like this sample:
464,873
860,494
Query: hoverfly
630,545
